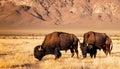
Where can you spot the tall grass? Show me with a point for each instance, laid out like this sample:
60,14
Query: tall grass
18,54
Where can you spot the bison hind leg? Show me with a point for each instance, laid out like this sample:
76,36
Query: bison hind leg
109,52
72,51
76,50
105,51
57,55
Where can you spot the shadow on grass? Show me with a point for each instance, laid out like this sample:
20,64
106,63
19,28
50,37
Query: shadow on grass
6,54
115,54
23,65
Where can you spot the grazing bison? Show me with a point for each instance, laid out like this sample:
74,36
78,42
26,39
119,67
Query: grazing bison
93,41
56,41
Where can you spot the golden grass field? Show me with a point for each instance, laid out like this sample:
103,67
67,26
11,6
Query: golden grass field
16,52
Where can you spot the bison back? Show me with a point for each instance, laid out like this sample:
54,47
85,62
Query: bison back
66,41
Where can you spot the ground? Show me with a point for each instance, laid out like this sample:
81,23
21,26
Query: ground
16,52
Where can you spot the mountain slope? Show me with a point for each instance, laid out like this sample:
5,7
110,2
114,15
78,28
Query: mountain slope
59,14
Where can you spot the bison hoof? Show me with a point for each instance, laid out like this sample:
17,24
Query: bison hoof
56,58
82,58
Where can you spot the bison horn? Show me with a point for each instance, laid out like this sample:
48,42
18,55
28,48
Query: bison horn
39,48
87,44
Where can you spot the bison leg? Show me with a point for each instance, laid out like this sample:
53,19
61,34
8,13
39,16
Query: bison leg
72,51
109,50
76,50
95,53
91,55
57,53
105,50
76,53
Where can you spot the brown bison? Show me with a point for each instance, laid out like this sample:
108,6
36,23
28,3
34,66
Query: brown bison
93,41
56,41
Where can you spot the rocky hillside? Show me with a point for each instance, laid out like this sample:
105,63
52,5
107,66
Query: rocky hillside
34,14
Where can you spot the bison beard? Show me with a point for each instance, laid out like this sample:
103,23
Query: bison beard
55,42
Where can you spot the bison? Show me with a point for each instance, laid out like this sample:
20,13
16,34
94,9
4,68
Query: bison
55,42
93,41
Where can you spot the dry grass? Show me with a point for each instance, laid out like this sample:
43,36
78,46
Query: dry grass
18,54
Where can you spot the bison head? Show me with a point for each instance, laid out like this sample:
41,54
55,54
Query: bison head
38,52
86,48
83,48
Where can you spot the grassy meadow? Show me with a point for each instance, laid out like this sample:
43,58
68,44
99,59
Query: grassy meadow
16,52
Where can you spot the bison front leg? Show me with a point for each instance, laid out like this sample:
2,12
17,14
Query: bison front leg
72,51
95,54
91,55
57,53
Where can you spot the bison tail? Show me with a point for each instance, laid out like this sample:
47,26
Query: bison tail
79,42
111,46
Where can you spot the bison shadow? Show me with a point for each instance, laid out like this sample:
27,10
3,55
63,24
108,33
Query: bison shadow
23,65
115,54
